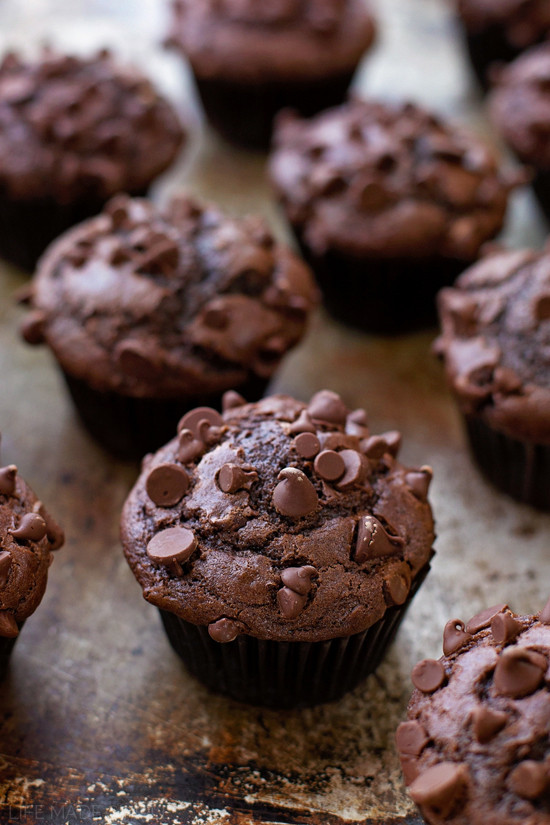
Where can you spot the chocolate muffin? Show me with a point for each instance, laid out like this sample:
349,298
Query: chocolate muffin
282,543
152,311
475,750
28,534
388,203
497,31
252,59
520,107
73,132
495,344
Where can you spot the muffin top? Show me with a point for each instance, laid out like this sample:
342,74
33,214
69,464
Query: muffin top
279,520
155,302
73,127
27,535
244,40
384,180
523,22
476,750
520,105
495,342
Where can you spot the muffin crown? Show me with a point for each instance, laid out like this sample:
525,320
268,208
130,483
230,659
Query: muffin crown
289,521
495,341
524,21
27,535
81,127
475,748
179,301
387,181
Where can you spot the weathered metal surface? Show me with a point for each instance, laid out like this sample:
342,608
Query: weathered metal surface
98,720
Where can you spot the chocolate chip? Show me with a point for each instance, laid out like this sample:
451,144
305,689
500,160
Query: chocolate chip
32,327
483,619
397,585
162,258
7,480
224,630
167,484
231,400
303,424
232,478
328,408
215,317
487,723
189,447
529,779
545,613
329,465
5,564
307,445
298,579
357,424
393,439
505,628
8,625
519,672
374,447
32,527
54,532
373,542
290,603
410,767
355,469
135,361
428,675
454,636
295,495
440,786
193,419
208,433
172,546
411,738
542,309
419,482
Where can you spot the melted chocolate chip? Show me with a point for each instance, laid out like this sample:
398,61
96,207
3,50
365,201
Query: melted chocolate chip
411,738
55,533
373,541
232,478
428,675
307,445
32,527
8,625
5,564
298,579
328,408
8,480
167,484
224,630
483,619
290,603
454,636
529,779
329,465
519,672
505,628
295,495
487,723
397,585
440,785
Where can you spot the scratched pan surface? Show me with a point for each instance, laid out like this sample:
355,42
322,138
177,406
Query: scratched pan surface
98,721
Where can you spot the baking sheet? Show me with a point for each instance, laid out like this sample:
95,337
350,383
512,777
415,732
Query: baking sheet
98,720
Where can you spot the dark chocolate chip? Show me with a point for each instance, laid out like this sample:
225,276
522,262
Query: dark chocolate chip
192,420
55,533
8,625
298,579
173,545
411,738
215,317
189,447
355,469
295,495
224,630
519,672
454,636
231,400
373,541
529,779
7,480
32,527
329,465
487,723
440,786
327,407
5,564
303,424
307,445
419,482
167,484
290,603
428,675
505,628
232,478
483,619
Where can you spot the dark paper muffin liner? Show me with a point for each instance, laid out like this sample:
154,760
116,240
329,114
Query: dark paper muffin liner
541,187
519,468
285,674
6,647
378,295
243,112
131,427
28,227
486,48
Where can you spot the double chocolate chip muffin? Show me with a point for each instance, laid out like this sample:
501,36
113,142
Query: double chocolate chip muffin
388,203
28,534
476,748
497,31
282,543
251,59
495,344
150,311
74,131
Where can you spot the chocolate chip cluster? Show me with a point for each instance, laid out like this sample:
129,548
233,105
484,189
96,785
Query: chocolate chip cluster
306,493
389,179
477,736
81,127
495,341
27,535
